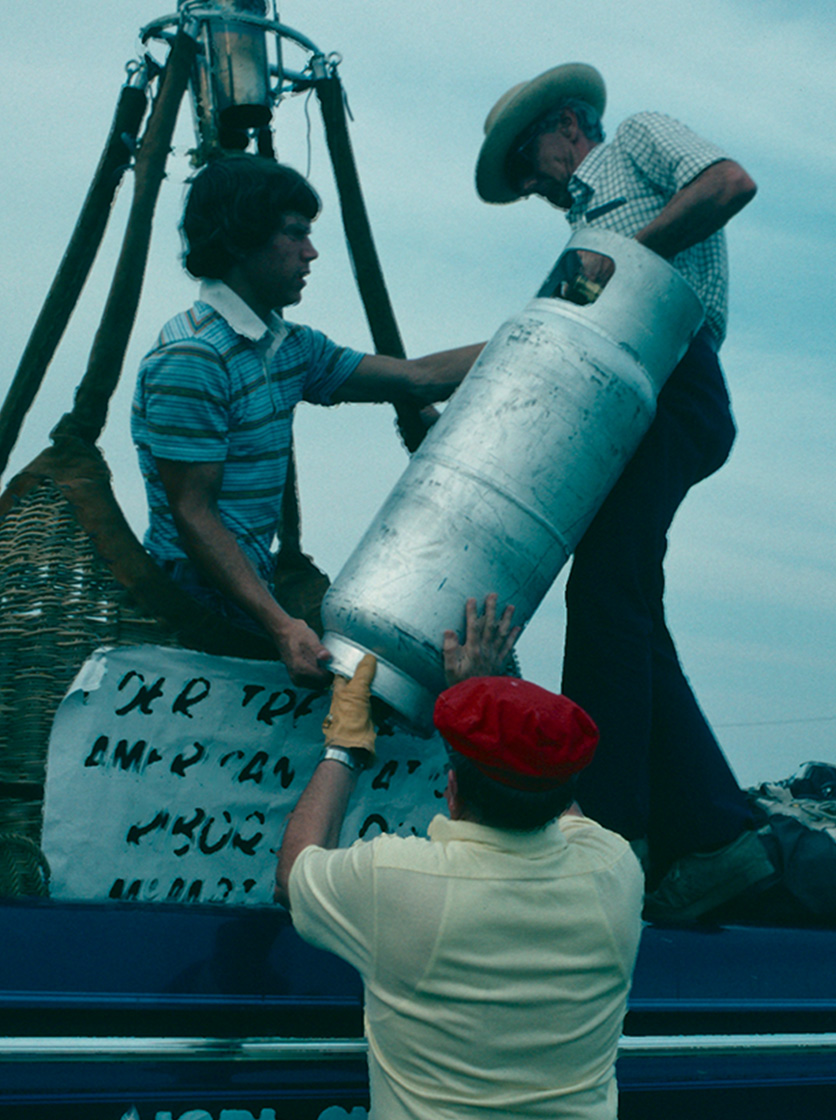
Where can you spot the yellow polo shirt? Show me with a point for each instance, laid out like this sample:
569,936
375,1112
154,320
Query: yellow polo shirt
496,964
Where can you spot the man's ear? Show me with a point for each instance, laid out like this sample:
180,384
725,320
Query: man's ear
451,795
569,124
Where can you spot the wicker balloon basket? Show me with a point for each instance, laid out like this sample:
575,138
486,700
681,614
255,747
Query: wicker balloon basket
73,577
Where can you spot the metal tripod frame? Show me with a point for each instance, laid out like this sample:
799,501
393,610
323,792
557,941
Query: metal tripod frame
187,33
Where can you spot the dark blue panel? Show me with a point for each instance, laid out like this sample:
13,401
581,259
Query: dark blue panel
156,970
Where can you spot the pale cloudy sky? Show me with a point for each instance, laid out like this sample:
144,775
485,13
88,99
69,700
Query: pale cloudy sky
752,569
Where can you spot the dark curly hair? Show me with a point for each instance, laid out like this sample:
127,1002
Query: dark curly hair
500,806
235,205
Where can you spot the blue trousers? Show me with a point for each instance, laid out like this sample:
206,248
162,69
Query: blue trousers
658,771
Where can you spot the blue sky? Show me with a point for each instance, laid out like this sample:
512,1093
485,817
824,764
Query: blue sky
751,571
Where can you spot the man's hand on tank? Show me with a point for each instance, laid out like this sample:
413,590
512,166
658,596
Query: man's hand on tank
304,655
487,645
596,267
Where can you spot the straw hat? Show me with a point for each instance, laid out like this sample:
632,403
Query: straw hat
520,107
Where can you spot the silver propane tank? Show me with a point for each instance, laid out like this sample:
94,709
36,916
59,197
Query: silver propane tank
503,487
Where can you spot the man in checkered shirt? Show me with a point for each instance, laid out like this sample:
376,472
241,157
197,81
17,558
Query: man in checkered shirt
214,401
659,776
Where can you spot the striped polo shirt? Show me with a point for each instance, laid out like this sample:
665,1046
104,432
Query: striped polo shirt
220,387
624,184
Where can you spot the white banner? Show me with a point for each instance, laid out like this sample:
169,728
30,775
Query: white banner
170,775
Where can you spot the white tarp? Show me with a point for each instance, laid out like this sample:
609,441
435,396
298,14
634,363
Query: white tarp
170,774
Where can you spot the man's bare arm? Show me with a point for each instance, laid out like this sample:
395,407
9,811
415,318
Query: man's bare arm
421,380
192,490
320,811
693,214
317,819
699,209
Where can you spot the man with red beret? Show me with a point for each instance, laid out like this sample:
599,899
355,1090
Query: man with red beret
496,953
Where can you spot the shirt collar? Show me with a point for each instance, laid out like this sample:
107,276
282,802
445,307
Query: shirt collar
442,830
580,186
241,316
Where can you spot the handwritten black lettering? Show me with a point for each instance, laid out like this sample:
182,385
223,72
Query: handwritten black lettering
181,763
118,890
287,771
180,890
239,755
193,893
227,886
251,691
97,751
254,770
248,846
267,712
383,778
182,827
438,776
124,757
371,820
186,700
145,694
137,831
176,889
129,759
203,839
303,708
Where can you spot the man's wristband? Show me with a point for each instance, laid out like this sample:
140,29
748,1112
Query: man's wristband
356,760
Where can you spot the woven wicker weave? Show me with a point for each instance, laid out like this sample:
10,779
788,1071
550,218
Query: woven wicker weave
23,867
58,602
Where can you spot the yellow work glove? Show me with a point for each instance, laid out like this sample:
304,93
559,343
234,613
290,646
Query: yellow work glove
349,722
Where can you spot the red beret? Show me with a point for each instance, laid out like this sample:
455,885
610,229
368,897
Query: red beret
516,732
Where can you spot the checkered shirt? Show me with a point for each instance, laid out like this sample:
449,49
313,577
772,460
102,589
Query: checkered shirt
220,387
624,184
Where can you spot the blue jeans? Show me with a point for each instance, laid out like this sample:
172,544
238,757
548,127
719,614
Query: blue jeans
658,771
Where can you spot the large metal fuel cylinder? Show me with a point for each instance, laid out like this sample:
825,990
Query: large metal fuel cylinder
505,484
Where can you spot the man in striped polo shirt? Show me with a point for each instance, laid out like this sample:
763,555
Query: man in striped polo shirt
659,776
214,401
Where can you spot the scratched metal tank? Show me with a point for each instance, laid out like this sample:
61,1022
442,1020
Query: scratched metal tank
505,484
